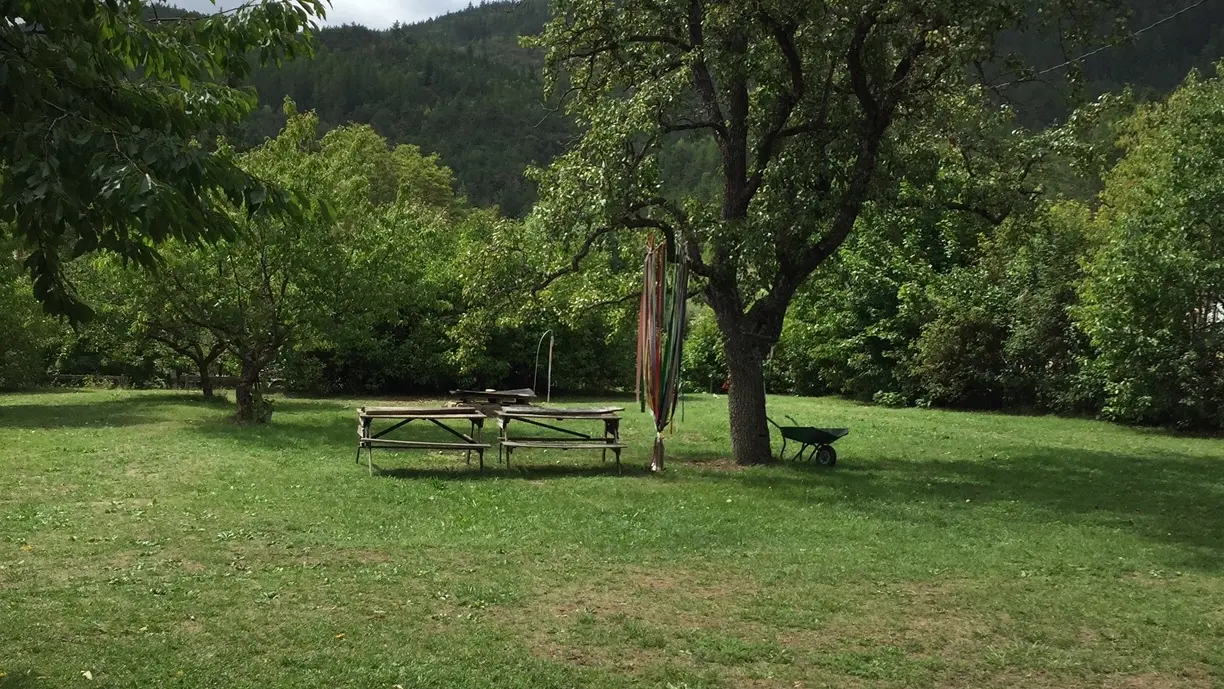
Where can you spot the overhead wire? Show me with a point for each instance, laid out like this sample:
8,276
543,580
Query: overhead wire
1107,46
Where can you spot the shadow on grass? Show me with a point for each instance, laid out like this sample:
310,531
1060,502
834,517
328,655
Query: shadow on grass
1165,497
130,410
522,472
22,679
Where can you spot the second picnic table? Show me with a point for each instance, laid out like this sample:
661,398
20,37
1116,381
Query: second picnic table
570,439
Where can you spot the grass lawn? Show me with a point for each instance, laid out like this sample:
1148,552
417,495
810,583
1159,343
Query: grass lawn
148,541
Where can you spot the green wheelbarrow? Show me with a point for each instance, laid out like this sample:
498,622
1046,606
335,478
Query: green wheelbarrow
815,442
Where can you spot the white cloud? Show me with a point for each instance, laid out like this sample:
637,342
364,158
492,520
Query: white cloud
376,14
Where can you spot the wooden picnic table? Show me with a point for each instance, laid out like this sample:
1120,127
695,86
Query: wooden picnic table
569,440
367,439
495,397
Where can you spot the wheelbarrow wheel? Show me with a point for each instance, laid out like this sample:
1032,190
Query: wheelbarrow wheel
826,456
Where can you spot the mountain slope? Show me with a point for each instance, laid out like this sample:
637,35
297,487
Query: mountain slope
460,85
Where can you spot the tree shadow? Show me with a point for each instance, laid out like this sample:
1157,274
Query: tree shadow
1164,497
283,433
22,679
493,471
130,410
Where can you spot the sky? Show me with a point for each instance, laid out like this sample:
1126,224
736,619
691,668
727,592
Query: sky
376,14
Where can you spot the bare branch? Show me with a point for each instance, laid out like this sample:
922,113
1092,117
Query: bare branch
575,263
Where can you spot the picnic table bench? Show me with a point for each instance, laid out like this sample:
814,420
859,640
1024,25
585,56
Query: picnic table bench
569,440
367,439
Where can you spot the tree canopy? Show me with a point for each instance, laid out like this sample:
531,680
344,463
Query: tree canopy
806,104
1154,294
106,108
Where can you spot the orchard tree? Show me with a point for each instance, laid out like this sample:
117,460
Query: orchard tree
324,279
1154,295
136,316
803,101
102,106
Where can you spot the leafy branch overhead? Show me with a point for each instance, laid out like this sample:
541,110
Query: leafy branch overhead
105,111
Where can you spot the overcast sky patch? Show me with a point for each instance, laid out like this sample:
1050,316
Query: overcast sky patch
376,14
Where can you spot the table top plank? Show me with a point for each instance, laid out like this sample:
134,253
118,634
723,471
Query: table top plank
441,413
604,414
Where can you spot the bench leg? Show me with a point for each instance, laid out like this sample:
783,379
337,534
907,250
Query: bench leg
480,454
616,451
359,452
370,459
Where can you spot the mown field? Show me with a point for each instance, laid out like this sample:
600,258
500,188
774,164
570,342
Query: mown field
147,541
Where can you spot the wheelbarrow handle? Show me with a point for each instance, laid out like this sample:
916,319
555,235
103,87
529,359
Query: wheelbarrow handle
772,422
792,419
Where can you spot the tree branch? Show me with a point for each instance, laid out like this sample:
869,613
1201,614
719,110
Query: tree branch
702,80
784,36
575,263
854,60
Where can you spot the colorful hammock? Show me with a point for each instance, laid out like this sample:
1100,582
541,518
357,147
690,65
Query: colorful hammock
661,320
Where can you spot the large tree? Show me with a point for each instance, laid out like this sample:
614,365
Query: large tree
801,98
103,106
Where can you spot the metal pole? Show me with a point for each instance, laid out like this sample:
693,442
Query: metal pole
535,377
550,355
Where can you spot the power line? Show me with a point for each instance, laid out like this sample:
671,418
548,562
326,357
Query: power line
1136,34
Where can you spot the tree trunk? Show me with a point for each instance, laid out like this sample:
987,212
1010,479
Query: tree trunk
248,394
746,404
206,383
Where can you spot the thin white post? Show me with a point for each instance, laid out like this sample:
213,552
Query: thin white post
535,377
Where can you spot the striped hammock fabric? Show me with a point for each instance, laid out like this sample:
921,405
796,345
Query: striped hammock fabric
660,346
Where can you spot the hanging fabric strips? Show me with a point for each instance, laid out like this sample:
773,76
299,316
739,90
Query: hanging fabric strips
661,321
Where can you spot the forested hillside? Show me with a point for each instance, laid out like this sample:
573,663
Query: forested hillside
460,86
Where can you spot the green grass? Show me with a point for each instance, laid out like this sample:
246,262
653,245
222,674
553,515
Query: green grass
147,540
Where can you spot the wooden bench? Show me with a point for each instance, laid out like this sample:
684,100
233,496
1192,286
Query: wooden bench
569,440
368,440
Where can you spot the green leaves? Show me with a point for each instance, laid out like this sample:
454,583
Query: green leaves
1153,294
102,107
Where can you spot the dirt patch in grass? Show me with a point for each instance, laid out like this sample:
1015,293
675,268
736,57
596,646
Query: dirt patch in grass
625,620
1193,679
191,626
918,633
1146,579
332,557
710,463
